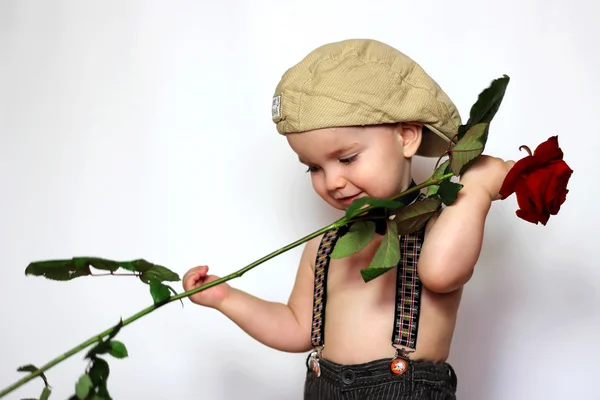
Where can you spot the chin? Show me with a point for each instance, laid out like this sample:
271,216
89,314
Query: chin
335,204
338,206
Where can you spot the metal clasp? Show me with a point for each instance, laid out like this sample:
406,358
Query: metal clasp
399,364
314,364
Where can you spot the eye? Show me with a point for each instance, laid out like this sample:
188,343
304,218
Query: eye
312,169
349,160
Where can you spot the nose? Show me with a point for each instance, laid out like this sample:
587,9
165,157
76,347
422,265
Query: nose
334,181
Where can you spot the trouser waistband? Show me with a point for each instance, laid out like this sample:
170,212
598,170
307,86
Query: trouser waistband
378,371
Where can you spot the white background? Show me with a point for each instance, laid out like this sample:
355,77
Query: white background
142,129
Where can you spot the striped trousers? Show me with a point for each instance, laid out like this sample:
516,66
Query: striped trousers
374,381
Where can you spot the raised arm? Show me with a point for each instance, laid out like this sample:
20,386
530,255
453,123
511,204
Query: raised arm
454,237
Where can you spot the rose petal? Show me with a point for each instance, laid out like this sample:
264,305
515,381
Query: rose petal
521,167
537,184
548,151
559,199
526,201
533,218
558,189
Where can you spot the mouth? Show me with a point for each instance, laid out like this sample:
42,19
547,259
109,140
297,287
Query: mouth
349,199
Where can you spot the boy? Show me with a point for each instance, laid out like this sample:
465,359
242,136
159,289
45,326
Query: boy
356,112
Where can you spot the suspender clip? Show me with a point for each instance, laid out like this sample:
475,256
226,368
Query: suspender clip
400,362
314,360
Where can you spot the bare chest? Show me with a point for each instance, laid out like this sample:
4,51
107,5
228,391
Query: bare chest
347,290
360,316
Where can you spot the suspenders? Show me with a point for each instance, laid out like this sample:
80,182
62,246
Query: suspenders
408,296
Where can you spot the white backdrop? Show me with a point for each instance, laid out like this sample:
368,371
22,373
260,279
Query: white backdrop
142,129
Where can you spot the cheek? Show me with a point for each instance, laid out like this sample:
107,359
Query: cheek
318,184
380,177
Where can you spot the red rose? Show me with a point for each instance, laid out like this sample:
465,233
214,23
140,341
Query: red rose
539,181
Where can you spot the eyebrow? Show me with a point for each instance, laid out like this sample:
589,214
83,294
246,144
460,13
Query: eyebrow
336,153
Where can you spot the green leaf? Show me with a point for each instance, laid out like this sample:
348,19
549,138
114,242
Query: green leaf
355,207
139,265
27,368
59,270
440,171
159,291
387,255
99,371
158,273
64,270
468,148
415,216
102,394
46,392
32,368
99,374
486,106
115,329
359,235
103,347
368,274
83,386
118,349
96,262
175,293
150,271
449,191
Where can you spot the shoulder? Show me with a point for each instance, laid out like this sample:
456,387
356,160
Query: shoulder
309,253
314,243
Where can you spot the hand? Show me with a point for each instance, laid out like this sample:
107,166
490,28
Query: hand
211,297
488,173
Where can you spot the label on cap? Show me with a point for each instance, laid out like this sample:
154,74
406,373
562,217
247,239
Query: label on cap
276,107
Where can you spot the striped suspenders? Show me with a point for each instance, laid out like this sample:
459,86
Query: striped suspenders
408,296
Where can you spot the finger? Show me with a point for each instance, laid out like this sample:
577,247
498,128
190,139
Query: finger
202,269
190,279
195,277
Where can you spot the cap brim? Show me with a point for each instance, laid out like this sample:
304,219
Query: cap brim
433,142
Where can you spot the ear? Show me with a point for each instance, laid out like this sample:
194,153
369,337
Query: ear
410,135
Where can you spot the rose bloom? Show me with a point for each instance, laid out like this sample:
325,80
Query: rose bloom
539,181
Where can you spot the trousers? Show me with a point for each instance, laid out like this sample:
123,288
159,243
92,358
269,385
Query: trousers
374,381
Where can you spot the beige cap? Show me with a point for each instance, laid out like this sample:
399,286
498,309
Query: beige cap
363,82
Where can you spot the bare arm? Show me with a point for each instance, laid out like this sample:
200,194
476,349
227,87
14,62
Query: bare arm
454,238
453,243
284,327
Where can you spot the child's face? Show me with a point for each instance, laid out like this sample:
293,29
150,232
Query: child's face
351,162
